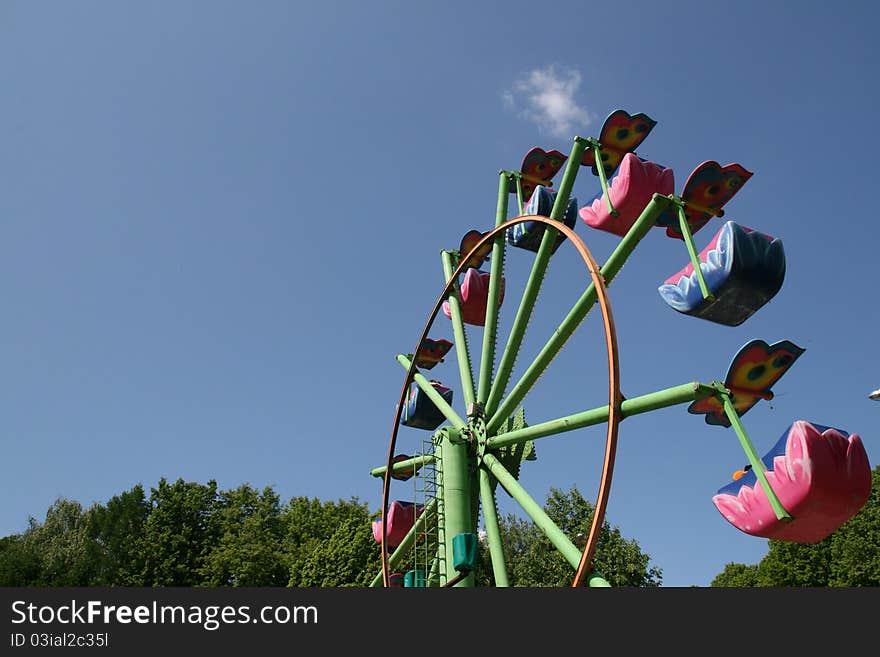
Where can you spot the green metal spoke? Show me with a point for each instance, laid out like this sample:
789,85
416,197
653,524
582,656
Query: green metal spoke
487,357
493,531
536,277
519,192
433,395
575,316
461,347
415,464
758,466
556,536
517,331
692,249
600,170
686,392
595,580
401,551
434,573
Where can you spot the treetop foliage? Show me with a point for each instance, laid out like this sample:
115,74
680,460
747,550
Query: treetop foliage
192,534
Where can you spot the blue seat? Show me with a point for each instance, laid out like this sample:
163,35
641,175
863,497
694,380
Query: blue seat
420,412
528,234
743,269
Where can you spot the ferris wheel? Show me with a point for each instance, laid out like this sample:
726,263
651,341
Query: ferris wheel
812,480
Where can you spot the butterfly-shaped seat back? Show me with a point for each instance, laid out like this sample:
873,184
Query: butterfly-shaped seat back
432,352
820,474
709,187
474,297
467,249
400,519
754,370
630,189
419,412
621,133
743,269
528,234
538,168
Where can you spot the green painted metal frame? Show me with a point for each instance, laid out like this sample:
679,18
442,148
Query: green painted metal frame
462,472
487,360
662,399
455,513
416,464
493,530
596,147
455,467
688,238
757,464
461,345
536,277
555,535
519,190
423,383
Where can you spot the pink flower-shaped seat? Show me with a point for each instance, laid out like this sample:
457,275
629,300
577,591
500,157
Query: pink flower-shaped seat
821,475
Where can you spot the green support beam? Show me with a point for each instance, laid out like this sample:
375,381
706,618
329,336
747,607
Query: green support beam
686,392
519,192
493,530
487,357
536,277
434,572
758,466
416,463
455,468
556,536
600,170
433,395
692,249
461,346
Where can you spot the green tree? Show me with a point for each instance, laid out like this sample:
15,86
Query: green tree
115,533
249,549
179,533
795,564
191,534
329,543
349,557
532,560
855,547
20,563
737,575
54,552
60,544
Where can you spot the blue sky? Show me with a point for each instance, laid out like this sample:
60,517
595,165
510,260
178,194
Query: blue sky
221,221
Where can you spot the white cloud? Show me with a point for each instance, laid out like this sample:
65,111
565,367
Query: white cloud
546,96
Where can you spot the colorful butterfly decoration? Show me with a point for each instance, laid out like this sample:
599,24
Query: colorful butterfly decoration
538,168
753,371
710,186
621,133
432,352
468,242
